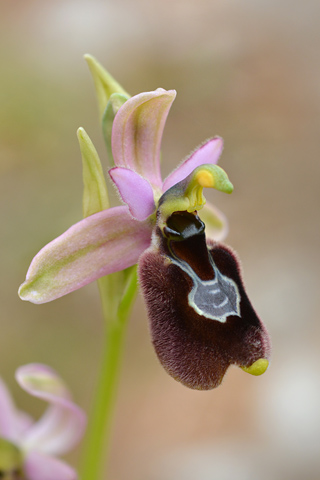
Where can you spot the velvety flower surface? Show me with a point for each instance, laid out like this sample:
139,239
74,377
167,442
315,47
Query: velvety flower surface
201,319
28,449
114,239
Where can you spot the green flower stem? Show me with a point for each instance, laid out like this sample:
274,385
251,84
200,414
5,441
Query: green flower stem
100,422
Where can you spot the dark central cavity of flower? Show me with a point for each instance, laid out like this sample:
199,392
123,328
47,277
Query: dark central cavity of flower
216,298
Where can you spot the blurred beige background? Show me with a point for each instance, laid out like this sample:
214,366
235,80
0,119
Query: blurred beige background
246,70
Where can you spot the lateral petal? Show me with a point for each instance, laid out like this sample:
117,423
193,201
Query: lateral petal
8,415
135,191
63,423
137,133
103,243
209,152
216,222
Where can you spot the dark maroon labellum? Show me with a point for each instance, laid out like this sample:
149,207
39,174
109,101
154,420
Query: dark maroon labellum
200,316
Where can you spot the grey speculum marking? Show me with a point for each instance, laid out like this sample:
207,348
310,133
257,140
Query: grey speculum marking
216,299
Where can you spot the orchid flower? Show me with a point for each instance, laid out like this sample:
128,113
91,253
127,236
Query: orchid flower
28,449
201,319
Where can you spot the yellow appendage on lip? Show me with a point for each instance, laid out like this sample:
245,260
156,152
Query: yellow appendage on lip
258,367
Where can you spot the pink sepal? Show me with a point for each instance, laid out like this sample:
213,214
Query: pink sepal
102,243
63,423
38,466
137,132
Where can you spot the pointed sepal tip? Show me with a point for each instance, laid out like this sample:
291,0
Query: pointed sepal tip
105,84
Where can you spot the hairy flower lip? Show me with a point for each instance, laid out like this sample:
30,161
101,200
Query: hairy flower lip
194,347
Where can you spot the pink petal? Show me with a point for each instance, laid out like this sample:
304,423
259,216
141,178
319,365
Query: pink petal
209,152
137,132
38,466
135,191
63,423
8,415
24,421
215,221
103,243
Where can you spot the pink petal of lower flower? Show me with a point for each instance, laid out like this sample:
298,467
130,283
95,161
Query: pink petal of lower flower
137,132
63,423
8,415
103,243
209,152
38,466
24,421
135,191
